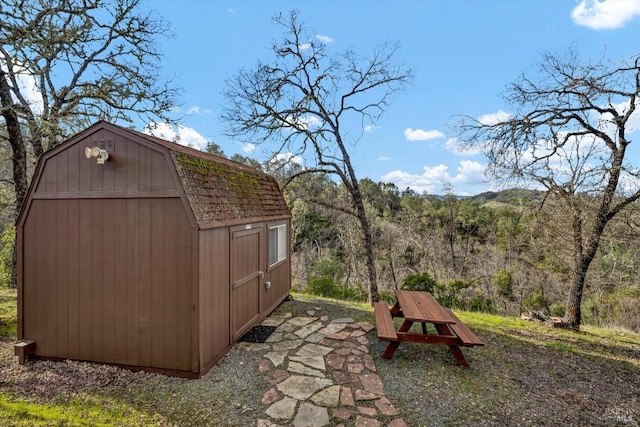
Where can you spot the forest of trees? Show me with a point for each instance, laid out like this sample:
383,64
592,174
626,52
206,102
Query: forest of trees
508,252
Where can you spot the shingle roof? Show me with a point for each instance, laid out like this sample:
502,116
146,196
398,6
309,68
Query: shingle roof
221,191
221,194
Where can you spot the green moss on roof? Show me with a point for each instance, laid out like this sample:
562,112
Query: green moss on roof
220,192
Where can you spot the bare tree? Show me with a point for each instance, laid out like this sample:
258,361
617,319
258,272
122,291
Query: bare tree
569,134
67,63
306,99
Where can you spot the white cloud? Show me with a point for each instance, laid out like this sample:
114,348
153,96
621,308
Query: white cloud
324,39
304,46
470,172
370,128
421,135
196,110
183,135
605,14
248,147
628,184
231,10
161,130
633,124
458,149
494,118
27,86
287,158
384,158
310,121
432,180
191,138
306,122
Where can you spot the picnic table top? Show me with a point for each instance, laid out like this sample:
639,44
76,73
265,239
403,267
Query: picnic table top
416,306
422,307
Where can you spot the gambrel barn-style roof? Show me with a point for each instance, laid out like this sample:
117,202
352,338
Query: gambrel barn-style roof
221,191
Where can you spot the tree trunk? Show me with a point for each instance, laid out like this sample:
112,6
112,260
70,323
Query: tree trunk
15,140
361,212
368,247
351,182
393,270
19,158
573,312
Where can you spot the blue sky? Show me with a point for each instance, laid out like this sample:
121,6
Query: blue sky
463,54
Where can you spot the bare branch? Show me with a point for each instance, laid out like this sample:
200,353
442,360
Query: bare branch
302,101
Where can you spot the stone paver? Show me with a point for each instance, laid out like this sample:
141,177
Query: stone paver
284,408
385,407
368,411
270,396
321,373
314,350
343,413
372,383
335,361
307,330
316,362
327,397
286,345
299,368
276,357
302,387
346,398
311,416
274,377
302,321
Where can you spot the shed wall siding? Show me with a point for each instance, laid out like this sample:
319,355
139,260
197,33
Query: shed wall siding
109,280
214,295
280,278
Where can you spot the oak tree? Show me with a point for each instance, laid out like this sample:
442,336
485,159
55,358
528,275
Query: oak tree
304,102
65,64
570,133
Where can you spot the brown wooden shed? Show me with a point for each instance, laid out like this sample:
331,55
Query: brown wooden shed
140,252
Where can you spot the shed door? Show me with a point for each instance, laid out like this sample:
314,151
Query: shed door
246,278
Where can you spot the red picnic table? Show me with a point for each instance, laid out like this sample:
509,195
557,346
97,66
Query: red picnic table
422,307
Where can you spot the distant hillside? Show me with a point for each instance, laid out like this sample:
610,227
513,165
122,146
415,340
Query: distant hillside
507,196
496,198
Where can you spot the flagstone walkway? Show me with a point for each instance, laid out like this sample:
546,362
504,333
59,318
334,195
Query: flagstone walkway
321,373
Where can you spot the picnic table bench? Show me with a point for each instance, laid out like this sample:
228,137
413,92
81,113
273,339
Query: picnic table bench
422,307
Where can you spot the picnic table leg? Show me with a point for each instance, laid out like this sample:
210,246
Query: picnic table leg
457,352
395,310
393,345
